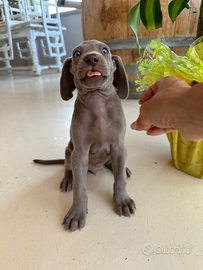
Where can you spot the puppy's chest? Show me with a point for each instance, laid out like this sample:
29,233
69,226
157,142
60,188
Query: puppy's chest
100,125
105,127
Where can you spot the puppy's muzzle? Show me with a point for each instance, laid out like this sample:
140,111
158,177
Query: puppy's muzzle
92,59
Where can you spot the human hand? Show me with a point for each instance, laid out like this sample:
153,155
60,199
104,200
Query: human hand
161,105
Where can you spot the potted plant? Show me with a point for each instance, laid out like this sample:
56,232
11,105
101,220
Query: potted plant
160,61
149,12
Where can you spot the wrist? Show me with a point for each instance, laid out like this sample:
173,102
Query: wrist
190,108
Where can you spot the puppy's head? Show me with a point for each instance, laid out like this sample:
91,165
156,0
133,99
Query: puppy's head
93,67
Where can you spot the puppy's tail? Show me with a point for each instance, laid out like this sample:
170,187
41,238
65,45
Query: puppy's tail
49,162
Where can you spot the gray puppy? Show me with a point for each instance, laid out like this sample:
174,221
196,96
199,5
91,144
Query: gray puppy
97,129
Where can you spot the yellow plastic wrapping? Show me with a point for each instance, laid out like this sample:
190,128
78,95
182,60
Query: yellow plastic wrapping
162,62
187,155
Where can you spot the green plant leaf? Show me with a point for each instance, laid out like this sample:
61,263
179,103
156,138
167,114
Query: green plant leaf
151,14
175,8
134,21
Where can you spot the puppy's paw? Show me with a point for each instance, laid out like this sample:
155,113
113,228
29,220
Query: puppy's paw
67,182
124,205
75,219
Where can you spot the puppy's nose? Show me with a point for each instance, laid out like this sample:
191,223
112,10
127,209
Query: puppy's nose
92,59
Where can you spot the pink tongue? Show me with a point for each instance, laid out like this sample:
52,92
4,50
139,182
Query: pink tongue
94,73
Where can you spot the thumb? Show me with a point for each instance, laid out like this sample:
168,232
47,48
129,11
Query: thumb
141,124
134,125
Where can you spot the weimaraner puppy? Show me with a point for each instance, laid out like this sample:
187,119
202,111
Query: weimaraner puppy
97,129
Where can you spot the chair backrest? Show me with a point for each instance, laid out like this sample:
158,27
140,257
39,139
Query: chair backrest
33,10
17,11
6,44
55,45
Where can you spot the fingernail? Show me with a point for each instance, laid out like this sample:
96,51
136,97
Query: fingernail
140,102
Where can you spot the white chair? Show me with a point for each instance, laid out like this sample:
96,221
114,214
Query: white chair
53,31
31,19
6,44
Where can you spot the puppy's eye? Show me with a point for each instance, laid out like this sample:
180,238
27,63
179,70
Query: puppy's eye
77,53
105,51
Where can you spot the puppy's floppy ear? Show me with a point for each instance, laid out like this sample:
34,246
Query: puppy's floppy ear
67,83
120,78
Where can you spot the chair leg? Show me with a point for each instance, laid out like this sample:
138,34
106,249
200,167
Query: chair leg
59,64
33,47
7,63
58,58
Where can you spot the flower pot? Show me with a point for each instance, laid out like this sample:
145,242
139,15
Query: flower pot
187,155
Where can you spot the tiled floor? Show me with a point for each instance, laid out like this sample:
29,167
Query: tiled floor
34,123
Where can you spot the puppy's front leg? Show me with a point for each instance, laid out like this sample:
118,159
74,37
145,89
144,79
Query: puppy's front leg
124,204
76,217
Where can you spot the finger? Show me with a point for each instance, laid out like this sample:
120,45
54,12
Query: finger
161,84
134,125
146,96
151,91
155,131
141,124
